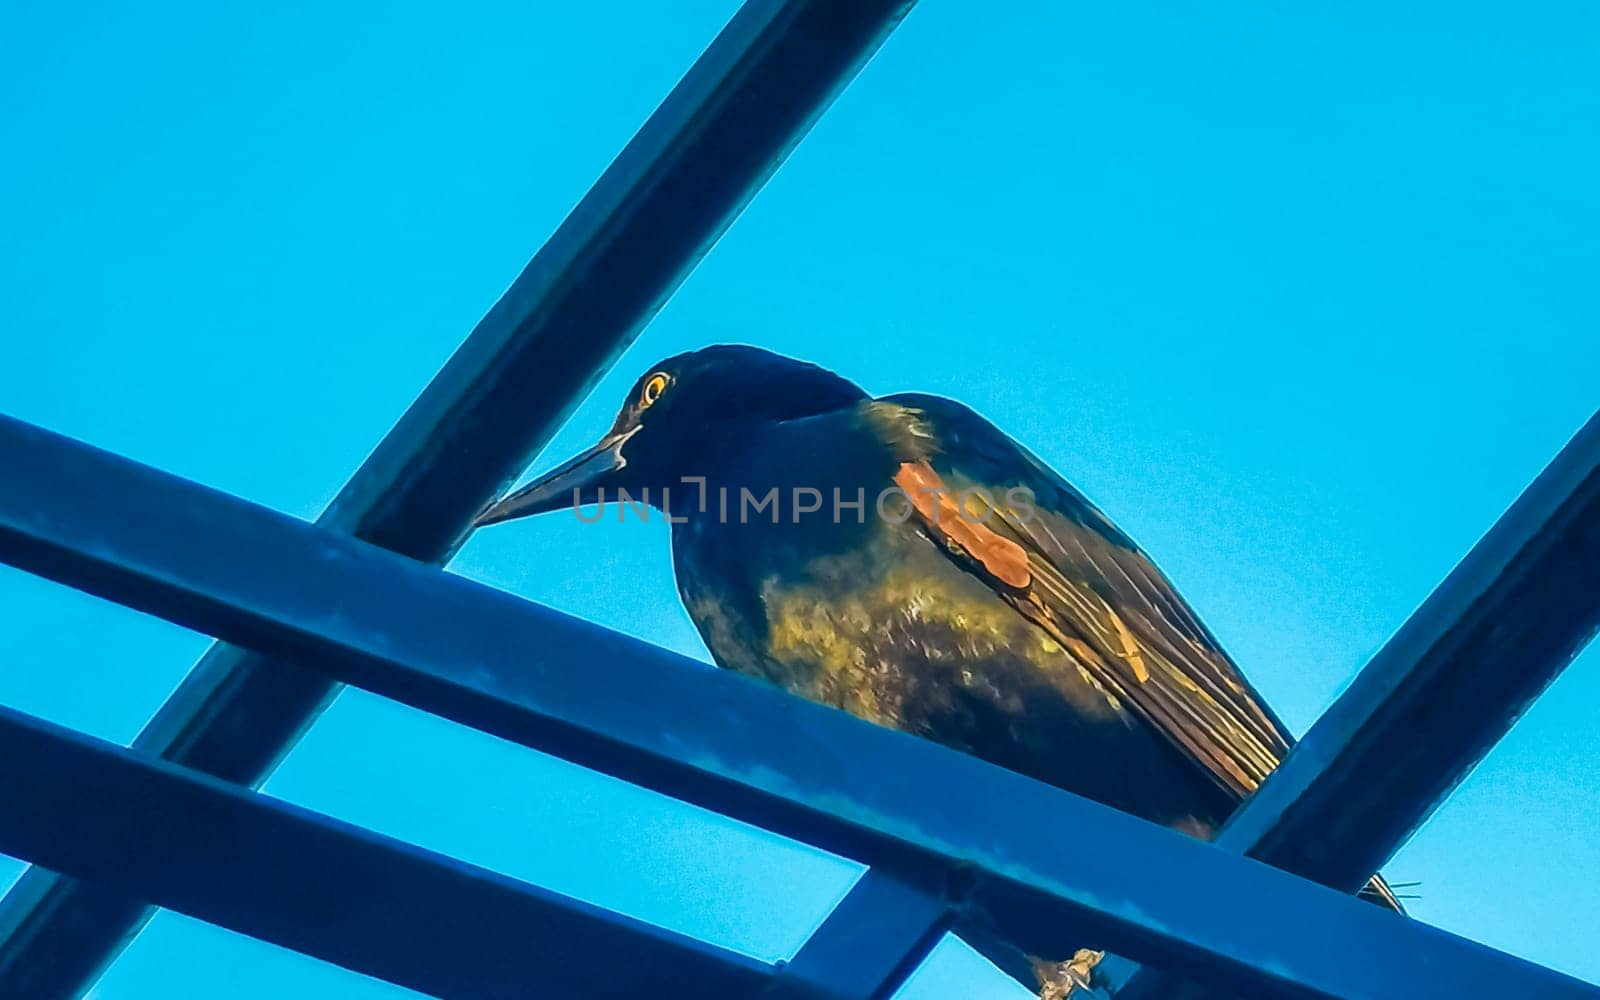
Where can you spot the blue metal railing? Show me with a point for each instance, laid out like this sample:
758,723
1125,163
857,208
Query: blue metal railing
1045,867
583,298
952,842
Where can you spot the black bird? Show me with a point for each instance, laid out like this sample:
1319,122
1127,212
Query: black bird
973,597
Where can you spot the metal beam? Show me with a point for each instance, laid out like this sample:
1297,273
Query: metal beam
1050,868
1422,714
876,937
253,864
1438,696
581,301
1444,690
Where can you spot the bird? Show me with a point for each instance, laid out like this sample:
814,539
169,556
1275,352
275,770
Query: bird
905,560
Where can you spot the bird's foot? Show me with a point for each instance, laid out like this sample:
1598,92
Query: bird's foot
1072,978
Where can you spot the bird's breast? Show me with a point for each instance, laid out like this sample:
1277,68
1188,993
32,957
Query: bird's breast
887,628
882,624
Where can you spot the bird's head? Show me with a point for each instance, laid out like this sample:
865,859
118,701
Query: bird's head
683,417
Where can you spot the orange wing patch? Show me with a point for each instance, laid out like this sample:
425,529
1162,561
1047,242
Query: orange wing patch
1005,560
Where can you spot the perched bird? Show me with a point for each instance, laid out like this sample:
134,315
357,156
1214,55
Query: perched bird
903,559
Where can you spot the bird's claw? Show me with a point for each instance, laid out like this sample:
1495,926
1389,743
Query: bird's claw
1074,977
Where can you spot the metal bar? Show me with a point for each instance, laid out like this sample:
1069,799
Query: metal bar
1427,708
1442,692
876,937
1048,867
241,860
581,301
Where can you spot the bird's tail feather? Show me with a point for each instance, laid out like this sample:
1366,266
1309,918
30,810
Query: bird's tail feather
1381,893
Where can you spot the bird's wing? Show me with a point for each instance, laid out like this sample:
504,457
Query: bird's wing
1063,564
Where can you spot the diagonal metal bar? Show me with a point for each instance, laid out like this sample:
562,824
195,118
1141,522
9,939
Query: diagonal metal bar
242,860
1438,696
626,246
1450,683
532,675
876,937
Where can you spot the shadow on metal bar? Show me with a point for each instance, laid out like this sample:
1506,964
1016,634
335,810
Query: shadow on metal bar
1046,866
627,245
241,860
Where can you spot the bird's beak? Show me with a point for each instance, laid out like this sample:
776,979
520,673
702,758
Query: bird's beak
576,481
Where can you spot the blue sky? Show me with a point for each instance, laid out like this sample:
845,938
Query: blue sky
1302,296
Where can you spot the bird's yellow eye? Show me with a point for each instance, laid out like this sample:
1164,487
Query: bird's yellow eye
654,386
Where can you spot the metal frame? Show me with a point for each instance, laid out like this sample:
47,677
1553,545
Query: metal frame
972,837
951,841
213,850
580,302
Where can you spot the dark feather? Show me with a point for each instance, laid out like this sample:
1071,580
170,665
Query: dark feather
1098,594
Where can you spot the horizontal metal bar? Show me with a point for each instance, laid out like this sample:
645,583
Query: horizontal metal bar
253,864
1438,696
1051,868
581,301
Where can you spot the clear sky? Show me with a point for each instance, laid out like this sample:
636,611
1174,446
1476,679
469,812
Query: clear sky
1303,295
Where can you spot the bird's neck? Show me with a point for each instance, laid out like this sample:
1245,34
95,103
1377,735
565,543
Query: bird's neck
792,473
